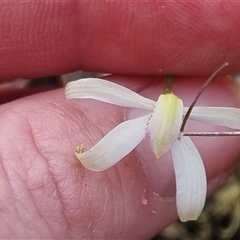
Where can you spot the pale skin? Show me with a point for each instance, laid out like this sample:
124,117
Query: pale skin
46,193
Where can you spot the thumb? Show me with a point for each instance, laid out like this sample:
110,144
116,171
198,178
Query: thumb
46,193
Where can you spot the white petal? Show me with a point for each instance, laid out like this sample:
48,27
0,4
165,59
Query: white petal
221,116
115,145
165,123
106,91
191,180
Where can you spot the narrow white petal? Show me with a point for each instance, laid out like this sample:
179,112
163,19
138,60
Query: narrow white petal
165,123
115,145
191,180
105,91
221,116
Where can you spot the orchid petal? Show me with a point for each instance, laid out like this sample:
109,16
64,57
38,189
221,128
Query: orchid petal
165,123
191,180
108,92
115,145
221,116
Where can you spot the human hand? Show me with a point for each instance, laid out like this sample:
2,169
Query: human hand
46,193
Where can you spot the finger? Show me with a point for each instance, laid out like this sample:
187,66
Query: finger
48,194
182,38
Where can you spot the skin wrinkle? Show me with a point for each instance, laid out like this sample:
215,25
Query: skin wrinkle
24,214
109,195
60,196
69,123
92,132
99,216
116,180
83,184
45,158
57,186
88,125
124,215
94,204
123,196
17,195
8,172
10,228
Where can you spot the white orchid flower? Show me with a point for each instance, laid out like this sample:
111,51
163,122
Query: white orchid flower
162,125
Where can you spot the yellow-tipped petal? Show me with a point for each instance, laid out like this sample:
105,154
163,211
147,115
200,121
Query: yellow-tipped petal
165,123
115,145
